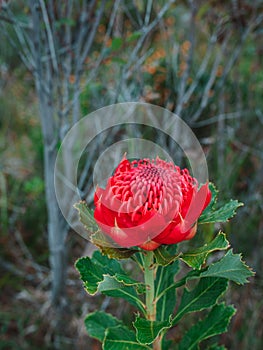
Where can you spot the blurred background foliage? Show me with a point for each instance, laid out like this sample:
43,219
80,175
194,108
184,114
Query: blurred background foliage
229,127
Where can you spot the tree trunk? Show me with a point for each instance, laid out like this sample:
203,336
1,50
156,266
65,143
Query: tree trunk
57,231
57,226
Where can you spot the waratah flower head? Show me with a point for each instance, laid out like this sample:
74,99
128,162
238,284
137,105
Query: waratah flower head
147,203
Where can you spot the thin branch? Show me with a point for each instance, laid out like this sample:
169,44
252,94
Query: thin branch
215,119
83,31
26,48
50,36
189,60
148,12
98,62
22,56
146,31
27,253
201,70
6,19
90,40
253,23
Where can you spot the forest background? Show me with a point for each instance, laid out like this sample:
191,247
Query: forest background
59,61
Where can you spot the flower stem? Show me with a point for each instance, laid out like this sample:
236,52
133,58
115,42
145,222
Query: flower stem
149,275
149,281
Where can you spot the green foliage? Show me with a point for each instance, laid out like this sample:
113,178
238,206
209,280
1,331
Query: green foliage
105,275
98,322
107,247
121,338
231,267
147,331
222,214
98,238
86,217
203,296
116,44
215,323
164,257
213,214
197,258
101,274
111,332
165,290
111,286
35,186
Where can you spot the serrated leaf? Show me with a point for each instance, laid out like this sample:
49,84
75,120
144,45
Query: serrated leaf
118,253
92,270
231,267
121,338
90,274
197,258
203,296
164,257
86,216
214,191
128,281
165,290
215,323
222,214
112,287
212,214
147,331
97,323
108,247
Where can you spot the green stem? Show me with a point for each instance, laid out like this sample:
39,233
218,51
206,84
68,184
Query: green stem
149,275
149,281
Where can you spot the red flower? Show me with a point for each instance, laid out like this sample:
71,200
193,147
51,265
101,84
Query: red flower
147,203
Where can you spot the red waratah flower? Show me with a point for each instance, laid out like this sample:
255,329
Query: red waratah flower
147,203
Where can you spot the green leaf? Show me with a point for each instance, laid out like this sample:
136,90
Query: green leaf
101,274
116,44
147,331
165,290
121,338
92,270
197,258
128,281
214,192
86,216
134,36
90,274
231,267
215,323
223,214
112,287
106,246
164,257
97,323
203,296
